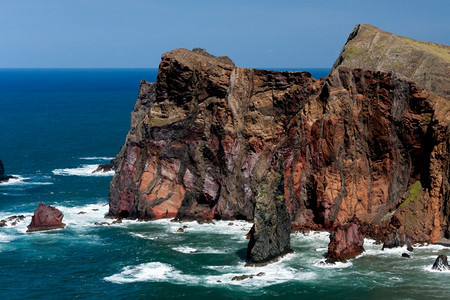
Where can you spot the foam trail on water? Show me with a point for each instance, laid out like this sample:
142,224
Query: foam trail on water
97,158
83,170
23,181
185,249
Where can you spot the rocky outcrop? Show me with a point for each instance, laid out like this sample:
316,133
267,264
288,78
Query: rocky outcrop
346,241
359,143
46,217
397,239
371,48
111,166
270,234
441,264
3,176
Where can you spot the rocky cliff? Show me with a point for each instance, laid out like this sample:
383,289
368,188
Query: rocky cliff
371,48
359,143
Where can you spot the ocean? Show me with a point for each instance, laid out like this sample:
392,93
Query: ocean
57,125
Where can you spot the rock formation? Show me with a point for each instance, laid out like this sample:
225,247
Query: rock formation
46,217
371,48
270,234
346,241
441,264
397,239
111,166
3,176
359,143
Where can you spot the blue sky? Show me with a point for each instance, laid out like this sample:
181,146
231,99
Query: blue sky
254,33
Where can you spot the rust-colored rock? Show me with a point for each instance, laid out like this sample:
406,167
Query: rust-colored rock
46,217
346,241
358,143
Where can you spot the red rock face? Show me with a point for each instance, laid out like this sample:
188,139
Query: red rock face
46,217
354,144
346,241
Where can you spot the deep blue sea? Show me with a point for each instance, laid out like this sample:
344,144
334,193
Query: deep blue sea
57,125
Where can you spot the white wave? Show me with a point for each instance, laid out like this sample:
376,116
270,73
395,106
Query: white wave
238,229
153,271
19,180
336,265
428,268
161,272
83,170
143,236
6,238
185,249
83,216
97,158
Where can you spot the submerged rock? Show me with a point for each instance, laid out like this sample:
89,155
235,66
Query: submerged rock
397,239
406,255
12,220
245,276
346,241
441,263
46,217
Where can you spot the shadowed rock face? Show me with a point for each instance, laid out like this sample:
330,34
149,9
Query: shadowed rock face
46,217
359,143
346,241
3,176
270,236
371,48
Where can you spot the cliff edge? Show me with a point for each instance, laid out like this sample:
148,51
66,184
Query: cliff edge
360,143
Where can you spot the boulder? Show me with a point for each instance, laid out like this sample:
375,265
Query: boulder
397,239
46,217
441,263
346,241
406,255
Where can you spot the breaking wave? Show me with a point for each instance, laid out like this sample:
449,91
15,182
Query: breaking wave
83,170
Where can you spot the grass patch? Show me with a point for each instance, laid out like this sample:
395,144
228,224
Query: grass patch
414,193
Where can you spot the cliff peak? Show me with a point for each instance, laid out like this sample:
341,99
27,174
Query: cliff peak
371,48
196,56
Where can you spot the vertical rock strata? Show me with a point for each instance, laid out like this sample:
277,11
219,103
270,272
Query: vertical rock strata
358,143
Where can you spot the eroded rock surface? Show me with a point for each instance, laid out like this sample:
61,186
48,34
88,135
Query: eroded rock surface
46,217
358,143
346,241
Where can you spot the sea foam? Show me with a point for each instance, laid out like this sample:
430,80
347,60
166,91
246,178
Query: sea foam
19,180
83,170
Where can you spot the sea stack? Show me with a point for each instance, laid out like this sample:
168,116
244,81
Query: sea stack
3,176
346,241
46,217
270,234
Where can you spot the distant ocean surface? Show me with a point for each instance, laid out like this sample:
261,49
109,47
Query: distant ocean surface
57,125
